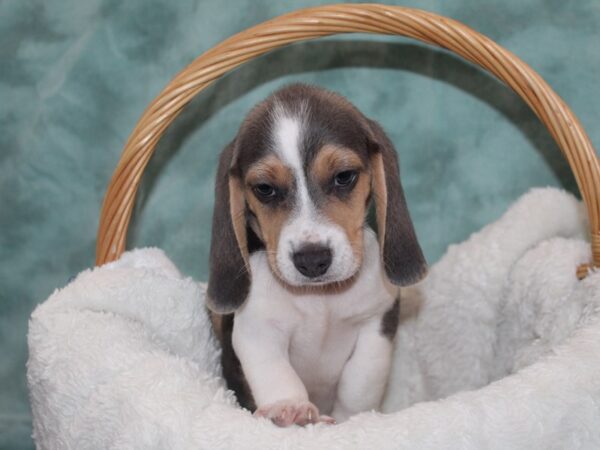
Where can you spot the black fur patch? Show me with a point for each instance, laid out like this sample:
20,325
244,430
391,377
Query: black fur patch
232,369
390,321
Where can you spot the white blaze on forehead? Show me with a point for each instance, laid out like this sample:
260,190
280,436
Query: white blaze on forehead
287,140
287,131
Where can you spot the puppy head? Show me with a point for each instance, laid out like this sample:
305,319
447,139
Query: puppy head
297,181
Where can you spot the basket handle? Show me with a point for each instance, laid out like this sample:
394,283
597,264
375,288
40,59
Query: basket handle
336,19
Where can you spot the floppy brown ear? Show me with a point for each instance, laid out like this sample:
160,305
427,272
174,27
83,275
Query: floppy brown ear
229,272
401,253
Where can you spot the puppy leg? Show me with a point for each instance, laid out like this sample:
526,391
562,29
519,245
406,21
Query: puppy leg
365,375
277,389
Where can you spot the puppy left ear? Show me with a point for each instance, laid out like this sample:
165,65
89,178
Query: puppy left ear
401,253
229,274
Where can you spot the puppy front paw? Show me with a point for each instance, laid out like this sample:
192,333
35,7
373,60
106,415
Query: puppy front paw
289,412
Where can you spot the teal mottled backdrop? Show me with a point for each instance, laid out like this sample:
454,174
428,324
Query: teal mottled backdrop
75,75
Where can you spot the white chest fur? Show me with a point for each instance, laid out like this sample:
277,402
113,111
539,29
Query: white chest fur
286,340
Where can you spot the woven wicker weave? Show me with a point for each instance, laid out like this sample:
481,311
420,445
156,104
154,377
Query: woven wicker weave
328,20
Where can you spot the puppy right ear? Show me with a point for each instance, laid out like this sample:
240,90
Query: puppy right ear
229,272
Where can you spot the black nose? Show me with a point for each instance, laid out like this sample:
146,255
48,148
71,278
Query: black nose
312,260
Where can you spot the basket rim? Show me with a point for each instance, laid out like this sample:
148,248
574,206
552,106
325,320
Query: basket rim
327,20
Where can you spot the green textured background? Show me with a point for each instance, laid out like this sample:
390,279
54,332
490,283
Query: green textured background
75,76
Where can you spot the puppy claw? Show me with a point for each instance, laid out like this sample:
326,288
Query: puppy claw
292,412
327,420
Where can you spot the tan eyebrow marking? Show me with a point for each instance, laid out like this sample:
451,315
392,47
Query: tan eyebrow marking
332,159
269,169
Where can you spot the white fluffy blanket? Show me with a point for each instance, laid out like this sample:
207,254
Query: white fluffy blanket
498,348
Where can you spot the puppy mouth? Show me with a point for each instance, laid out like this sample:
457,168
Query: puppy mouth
326,285
319,281
324,281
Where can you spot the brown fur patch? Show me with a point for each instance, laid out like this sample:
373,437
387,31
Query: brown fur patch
217,324
271,222
379,195
237,207
332,159
349,213
269,170
272,171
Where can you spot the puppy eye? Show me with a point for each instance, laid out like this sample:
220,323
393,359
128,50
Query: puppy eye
345,178
264,191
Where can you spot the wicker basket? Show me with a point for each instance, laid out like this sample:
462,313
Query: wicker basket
329,20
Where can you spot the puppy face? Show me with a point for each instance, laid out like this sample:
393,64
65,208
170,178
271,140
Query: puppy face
298,179
307,197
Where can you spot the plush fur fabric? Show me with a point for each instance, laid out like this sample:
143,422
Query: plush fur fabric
501,331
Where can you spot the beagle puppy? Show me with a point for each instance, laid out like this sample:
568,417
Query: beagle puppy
304,296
